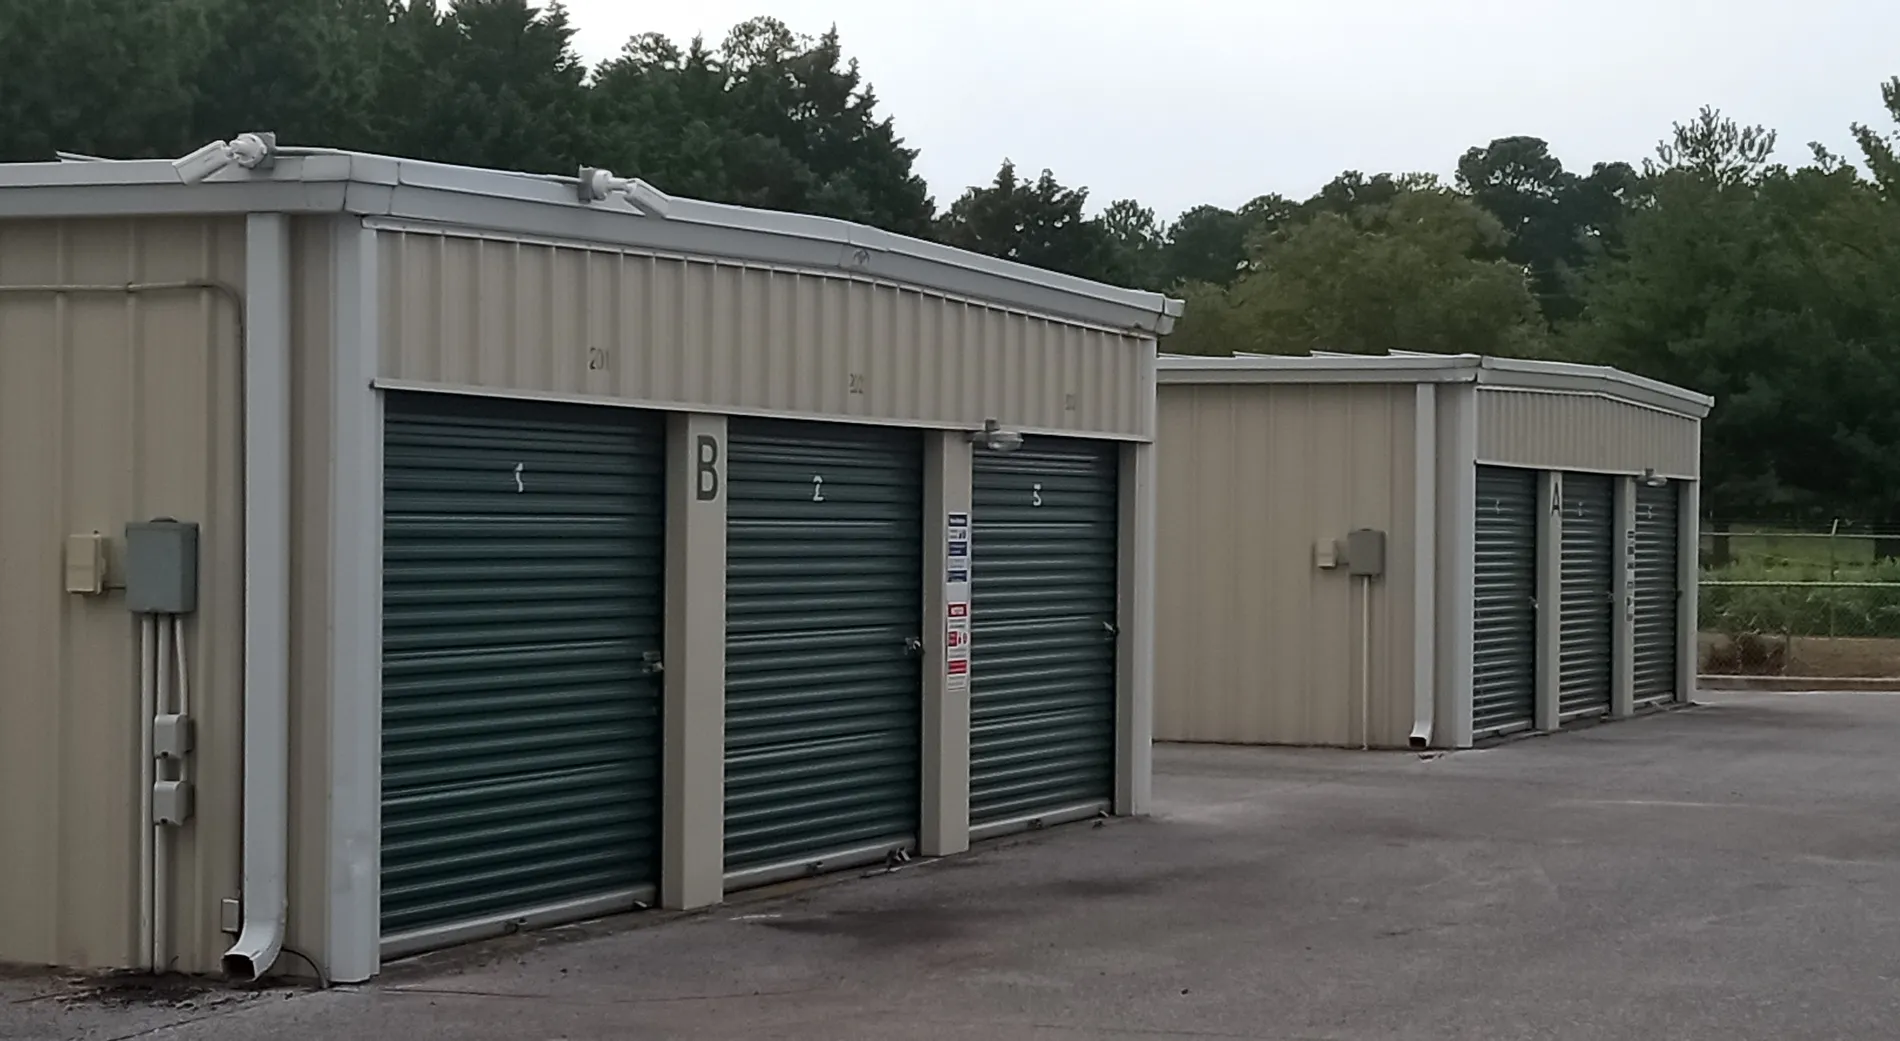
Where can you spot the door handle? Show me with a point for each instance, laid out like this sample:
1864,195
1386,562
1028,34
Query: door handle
913,645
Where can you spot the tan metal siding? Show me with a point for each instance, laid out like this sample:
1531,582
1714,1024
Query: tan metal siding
113,407
312,354
1566,431
1254,643
598,323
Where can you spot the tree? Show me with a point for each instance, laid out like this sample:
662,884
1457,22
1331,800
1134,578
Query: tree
771,119
1406,273
486,83
1557,222
1137,241
1038,222
1771,289
101,77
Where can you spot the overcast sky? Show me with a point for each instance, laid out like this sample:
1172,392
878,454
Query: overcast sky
1181,102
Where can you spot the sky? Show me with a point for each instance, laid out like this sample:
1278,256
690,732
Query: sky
1217,101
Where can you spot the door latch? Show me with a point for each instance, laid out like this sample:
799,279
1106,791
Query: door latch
653,663
913,645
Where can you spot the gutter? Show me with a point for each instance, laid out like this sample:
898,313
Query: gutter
266,812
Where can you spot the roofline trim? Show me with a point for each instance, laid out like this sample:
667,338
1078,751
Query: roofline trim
1414,367
307,180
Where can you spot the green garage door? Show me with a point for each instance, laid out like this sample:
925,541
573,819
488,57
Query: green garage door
522,605
824,591
1042,690
1588,597
1657,594
1504,595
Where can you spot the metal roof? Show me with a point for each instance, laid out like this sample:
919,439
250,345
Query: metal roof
1416,367
409,191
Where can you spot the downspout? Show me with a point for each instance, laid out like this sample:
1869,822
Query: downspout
266,597
1424,565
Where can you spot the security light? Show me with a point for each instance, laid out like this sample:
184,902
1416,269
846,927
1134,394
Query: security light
598,185
247,151
1651,480
995,438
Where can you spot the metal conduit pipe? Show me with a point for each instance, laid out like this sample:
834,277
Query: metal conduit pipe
148,707
266,603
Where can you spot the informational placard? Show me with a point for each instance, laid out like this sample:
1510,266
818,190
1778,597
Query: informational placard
956,600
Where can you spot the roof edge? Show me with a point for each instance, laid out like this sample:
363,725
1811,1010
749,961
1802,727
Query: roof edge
1415,367
553,206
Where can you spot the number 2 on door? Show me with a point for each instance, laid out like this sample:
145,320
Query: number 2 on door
817,488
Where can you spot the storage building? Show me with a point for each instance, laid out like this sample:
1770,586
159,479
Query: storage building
1419,551
394,553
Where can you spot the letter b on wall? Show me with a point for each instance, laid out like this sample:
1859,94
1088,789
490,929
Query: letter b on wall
706,468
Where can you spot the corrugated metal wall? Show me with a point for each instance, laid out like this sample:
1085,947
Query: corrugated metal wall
601,323
312,353
1564,431
113,407
1254,643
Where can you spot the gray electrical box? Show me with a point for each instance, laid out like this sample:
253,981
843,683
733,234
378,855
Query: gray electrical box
161,567
1365,552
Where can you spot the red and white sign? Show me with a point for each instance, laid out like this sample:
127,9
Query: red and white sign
959,666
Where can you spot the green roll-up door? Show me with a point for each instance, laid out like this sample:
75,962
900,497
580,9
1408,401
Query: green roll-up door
824,591
1657,584
1043,628
1504,596
522,608
1587,597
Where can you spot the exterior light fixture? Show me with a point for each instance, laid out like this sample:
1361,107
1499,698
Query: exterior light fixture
1650,479
995,438
246,151
599,185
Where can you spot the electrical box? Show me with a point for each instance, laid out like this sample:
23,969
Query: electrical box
1326,554
1365,552
171,802
86,564
161,567
172,736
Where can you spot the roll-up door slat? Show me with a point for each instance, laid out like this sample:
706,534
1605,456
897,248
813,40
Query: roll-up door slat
1588,609
823,610
522,596
1044,576
1504,666
1657,593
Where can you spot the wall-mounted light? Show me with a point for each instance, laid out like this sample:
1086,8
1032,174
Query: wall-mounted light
1651,480
598,185
995,438
247,151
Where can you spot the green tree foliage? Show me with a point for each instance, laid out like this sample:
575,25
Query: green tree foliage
1405,269
1557,222
1037,222
771,119
1775,290
100,77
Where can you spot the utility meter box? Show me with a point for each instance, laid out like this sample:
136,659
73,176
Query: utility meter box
1365,552
161,567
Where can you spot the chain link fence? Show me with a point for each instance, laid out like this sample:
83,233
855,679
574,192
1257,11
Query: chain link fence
1800,603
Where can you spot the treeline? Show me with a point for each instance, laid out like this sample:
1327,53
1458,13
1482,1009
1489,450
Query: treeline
1774,286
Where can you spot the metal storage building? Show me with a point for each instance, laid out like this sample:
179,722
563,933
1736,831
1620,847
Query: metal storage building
429,551
1417,550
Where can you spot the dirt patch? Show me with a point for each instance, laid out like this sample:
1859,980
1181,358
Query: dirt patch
1835,657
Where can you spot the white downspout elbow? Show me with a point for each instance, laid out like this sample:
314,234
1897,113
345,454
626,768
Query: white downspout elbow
266,598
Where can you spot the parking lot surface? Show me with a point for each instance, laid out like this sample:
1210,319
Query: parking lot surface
1729,871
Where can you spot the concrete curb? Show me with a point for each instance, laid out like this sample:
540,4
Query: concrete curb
1800,684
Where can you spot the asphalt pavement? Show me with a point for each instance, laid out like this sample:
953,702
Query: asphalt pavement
1728,871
